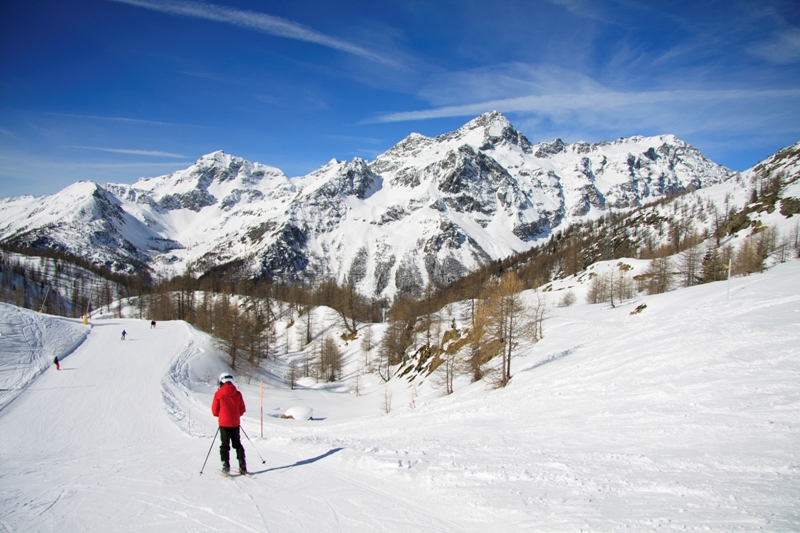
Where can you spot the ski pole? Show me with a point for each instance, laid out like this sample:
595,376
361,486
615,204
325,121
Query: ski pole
209,451
254,447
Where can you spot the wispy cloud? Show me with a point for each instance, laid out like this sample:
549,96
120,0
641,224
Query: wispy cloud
143,166
17,169
258,21
550,100
268,99
506,80
223,78
781,49
583,8
120,119
148,153
556,104
6,133
350,138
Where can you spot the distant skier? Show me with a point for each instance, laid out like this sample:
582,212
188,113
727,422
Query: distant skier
228,405
58,367
123,334
152,324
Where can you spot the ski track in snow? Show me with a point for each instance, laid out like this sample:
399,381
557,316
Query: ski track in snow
683,417
29,342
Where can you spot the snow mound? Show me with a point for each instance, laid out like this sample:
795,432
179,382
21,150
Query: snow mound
298,413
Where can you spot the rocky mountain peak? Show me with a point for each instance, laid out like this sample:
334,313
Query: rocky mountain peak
218,158
409,147
785,161
343,178
493,120
430,209
549,149
490,131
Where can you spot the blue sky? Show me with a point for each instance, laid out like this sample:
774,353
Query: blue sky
113,90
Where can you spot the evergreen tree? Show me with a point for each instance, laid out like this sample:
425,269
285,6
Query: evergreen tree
713,268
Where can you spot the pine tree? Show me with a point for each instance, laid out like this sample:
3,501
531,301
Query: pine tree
713,268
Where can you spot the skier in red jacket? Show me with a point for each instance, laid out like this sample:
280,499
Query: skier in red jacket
228,405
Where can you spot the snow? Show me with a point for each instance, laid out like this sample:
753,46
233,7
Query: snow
223,209
299,412
29,343
683,417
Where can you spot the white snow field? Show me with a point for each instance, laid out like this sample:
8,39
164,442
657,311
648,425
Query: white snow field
29,342
684,417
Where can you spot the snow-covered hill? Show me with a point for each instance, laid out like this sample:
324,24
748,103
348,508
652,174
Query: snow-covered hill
54,285
29,343
427,210
681,417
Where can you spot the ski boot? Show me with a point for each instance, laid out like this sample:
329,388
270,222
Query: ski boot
242,468
226,468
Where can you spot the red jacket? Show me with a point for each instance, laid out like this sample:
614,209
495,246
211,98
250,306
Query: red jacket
228,405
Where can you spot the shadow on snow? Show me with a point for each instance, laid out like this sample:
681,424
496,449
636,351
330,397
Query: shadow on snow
301,463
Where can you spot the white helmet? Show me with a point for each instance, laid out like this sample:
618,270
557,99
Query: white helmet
225,377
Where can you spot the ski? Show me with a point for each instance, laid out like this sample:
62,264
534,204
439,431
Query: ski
234,474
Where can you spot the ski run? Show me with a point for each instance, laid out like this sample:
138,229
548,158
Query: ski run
684,417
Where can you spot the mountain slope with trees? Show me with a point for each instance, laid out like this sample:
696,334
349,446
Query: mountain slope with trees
429,210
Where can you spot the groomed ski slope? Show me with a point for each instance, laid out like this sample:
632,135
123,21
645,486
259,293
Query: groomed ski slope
685,417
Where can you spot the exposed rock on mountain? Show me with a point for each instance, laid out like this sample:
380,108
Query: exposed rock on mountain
428,210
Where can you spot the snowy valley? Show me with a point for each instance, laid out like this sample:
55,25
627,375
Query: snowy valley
681,417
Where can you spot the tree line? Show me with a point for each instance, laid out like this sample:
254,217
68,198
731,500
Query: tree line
683,237
419,339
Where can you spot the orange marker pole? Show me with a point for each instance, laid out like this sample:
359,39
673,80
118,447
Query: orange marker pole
261,395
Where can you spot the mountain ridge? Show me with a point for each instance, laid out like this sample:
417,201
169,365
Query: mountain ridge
428,210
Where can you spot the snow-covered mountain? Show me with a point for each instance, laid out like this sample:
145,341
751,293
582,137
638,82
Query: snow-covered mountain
427,210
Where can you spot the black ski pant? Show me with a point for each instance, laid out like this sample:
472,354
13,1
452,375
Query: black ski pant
230,437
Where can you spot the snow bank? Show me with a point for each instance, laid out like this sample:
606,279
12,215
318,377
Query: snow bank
298,413
682,417
29,342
